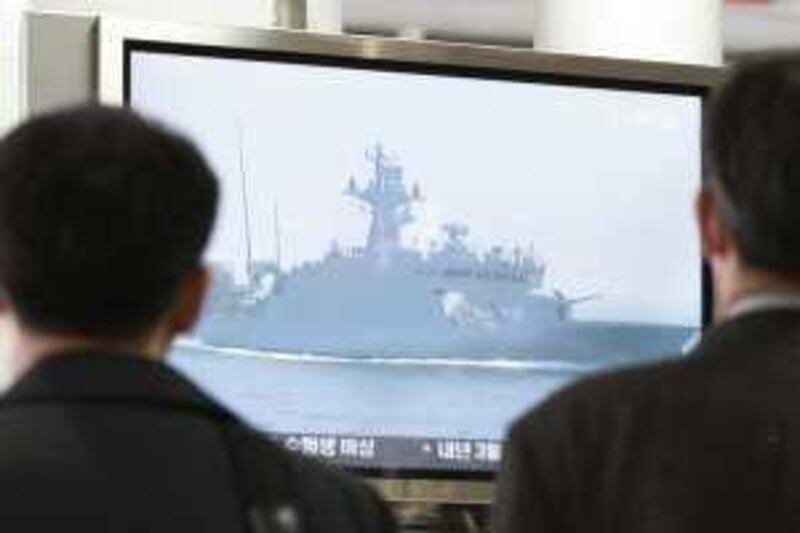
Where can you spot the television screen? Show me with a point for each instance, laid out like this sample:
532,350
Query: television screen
407,260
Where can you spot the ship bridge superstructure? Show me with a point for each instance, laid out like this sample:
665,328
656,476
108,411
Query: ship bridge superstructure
389,202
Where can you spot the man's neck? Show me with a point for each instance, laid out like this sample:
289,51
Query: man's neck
755,290
30,348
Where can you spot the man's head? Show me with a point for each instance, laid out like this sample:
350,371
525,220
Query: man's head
749,210
103,220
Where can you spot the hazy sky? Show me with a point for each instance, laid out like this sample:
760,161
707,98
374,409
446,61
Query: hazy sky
600,181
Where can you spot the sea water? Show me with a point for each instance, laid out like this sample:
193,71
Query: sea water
418,398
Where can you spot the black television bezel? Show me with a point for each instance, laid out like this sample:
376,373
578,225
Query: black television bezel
491,64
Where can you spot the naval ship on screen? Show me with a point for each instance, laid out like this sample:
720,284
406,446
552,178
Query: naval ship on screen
384,299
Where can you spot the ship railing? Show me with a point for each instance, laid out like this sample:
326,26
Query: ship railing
514,276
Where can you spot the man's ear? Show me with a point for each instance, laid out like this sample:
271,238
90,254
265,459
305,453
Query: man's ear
191,296
715,238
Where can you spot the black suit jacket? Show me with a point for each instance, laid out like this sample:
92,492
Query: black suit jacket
100,442
708,443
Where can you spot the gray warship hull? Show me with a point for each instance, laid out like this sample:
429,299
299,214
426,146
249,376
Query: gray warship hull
352,308
592,343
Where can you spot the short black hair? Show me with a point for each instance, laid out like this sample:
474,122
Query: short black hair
102,215
753,152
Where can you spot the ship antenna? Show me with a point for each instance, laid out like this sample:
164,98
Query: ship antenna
376,156
277,236
378,160
245,207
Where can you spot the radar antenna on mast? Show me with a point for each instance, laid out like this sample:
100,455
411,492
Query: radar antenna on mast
377,156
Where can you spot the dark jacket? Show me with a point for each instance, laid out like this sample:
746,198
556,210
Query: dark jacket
100,442
704,444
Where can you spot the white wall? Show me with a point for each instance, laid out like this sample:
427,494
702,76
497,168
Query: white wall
491,21
229,12
683,31
235,12
10,78
749,28
10,63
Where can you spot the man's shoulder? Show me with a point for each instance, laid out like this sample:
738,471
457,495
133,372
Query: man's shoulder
327,496
314,474
600,399
307,470
733,360
569,446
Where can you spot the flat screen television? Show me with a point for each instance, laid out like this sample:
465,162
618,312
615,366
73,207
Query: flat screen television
418,242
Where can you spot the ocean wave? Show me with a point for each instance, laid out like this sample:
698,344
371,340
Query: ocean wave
495,363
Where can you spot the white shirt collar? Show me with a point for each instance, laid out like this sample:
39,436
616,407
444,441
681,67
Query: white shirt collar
764,302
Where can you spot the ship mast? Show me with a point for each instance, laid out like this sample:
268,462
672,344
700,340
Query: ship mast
277,226
245,209
377,156
389,201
